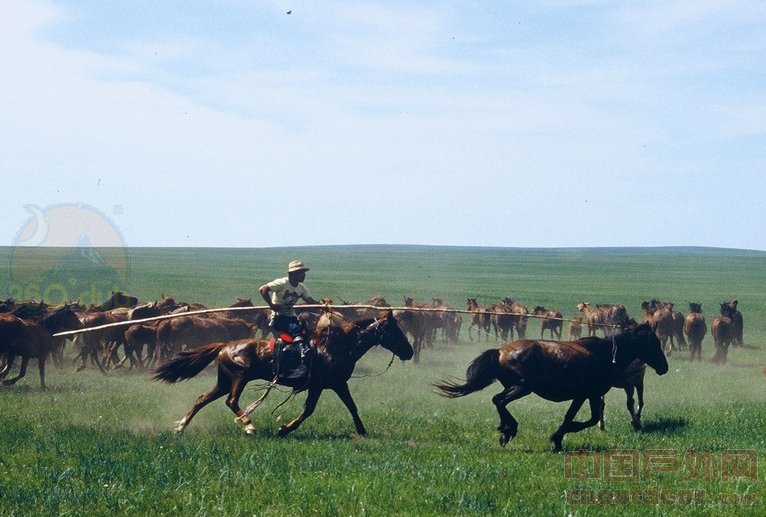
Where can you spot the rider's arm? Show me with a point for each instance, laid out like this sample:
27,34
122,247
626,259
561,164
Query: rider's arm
265,291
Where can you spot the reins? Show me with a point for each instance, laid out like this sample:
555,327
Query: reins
273,383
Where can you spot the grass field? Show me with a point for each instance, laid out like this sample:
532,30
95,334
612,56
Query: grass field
95,445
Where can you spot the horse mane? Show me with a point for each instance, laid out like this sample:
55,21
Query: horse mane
634,329
335,336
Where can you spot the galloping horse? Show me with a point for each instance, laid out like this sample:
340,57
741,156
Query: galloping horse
558,371
337,351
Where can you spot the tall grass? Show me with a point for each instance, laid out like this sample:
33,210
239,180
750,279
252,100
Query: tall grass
97,445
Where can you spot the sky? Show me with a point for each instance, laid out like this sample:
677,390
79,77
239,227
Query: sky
244,123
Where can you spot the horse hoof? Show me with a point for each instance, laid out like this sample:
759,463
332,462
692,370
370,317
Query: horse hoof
250,430
283,431
505,438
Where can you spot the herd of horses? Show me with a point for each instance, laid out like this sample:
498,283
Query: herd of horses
178,346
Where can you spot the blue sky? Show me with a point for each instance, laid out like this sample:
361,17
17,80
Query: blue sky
531,124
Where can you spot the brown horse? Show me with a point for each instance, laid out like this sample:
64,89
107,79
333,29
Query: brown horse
695,329
723,332
519,316
558,371
660,316
481,318
193,331
575,328
32,339
551,320
337,351
594,317
419,325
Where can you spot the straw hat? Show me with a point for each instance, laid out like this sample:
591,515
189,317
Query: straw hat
296,265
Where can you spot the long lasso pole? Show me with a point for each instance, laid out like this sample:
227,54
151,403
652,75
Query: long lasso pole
307,306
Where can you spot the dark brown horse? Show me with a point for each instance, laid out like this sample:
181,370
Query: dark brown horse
337,351
558,371
29,339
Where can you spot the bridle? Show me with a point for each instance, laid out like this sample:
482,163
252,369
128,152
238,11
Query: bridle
378,335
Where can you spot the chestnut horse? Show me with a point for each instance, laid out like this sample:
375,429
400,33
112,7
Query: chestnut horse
337,351
695,329
558,371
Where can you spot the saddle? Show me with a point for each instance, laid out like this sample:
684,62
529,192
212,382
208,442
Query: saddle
292,361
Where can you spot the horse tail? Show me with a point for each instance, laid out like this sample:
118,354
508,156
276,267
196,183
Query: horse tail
480,373
185,365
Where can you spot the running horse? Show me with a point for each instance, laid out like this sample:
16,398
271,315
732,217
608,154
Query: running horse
338,348
558,371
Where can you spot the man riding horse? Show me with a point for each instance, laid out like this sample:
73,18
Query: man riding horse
281,295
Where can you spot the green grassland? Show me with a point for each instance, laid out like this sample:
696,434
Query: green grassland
102,445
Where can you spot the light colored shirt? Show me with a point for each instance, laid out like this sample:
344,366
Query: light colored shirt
284,294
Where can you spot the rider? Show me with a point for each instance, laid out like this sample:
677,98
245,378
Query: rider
281,294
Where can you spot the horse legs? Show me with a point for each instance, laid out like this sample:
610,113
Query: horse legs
508,425
724,351
203,400
570,426
308,409
7,366
236,387
41,367
94,357
345,396
636,417
601,425
417,346
664,344
22,372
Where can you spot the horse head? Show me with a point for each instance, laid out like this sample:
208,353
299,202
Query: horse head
727,310
389,335
61,319
640,342
695,307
